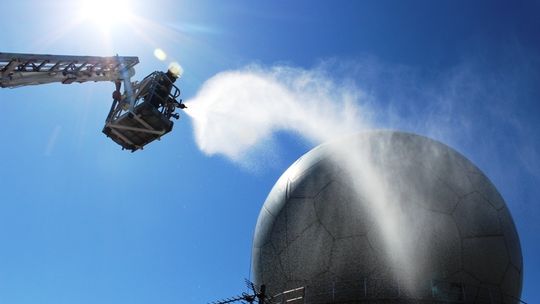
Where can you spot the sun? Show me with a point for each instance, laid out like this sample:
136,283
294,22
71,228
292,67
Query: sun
105,13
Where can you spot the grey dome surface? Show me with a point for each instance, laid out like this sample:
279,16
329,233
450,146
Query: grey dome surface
386,214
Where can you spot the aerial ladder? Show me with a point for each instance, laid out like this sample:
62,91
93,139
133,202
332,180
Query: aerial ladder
140,114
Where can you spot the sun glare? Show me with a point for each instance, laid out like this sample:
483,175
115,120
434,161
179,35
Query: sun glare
106,13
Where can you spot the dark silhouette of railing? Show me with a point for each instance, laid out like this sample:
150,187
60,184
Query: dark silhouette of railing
369,290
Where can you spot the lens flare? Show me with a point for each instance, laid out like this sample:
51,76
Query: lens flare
160,54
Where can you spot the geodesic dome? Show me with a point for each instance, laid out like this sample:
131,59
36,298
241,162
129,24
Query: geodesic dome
387,216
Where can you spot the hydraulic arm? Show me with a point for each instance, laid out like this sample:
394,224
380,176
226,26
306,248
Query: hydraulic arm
138,116
30,69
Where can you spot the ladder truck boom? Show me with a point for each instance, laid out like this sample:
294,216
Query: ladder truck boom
18,70
140,114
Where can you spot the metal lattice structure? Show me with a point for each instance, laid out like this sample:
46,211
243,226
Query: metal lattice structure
380,291
31,69
258,295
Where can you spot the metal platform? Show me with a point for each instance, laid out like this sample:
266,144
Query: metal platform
134,130
144,112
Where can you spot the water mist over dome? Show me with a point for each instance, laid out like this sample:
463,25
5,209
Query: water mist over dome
387,215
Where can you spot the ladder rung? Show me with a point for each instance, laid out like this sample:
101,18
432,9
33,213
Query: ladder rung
81,67
10,66
41,65
55,66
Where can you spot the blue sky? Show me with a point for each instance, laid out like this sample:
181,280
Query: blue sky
83,222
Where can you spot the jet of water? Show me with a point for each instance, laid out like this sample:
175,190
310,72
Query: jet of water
236,111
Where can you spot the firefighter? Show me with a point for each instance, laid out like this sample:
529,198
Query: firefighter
163,89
